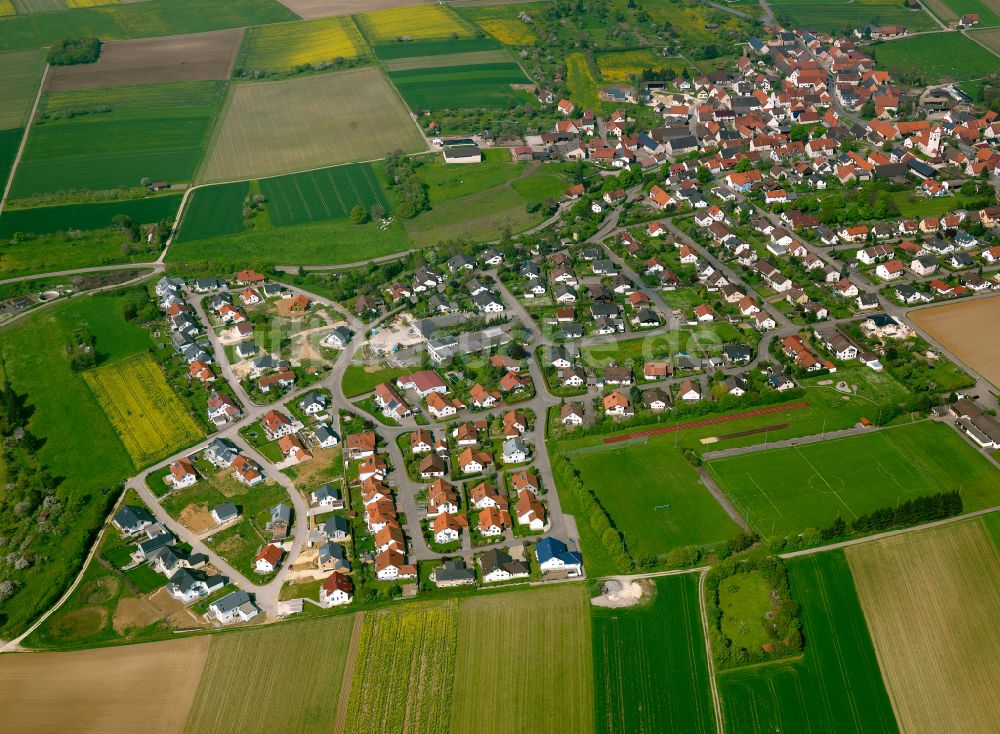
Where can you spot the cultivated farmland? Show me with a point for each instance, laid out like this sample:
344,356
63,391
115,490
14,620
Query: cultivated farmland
957,326
410,651
843,16
934,57
932,602
475,85
329,193
310,9
417,22
835,686
650,669
149,418
269,128
532,636
989,38
285,46
213,211
20,74
154,131
280,677
787,490
951,10
47,219
99,689
195,57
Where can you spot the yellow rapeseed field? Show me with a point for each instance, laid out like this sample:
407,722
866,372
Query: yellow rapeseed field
7,8
149,418
510,31
89,3
284,46
418,21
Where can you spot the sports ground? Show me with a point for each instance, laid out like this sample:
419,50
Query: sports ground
789,489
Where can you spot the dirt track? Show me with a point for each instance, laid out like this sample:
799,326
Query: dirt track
116,689
705,422
195,57
967,329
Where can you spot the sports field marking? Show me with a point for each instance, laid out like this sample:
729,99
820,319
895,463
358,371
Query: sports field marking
764,493
817,472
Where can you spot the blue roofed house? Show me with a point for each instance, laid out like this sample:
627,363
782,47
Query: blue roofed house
553,556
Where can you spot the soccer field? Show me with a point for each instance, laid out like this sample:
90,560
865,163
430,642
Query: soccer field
789,489
269,128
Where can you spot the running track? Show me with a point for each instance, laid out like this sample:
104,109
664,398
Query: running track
706,422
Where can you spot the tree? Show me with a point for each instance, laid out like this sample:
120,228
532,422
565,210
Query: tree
359,215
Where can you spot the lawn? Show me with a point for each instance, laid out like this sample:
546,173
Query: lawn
270,128
359,379
139,20
99,139
80,445
835,686
646,348
934,58
416,22
532,636
659,503
789,489
150,419
650,669
932,601
283,47
919,207
19,76
213,211
50,219
745,601
840,17
410,648
284,676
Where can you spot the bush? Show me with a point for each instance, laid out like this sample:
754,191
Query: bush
72,51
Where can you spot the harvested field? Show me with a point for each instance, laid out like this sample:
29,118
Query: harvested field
310,9
951,10
418,21
932,601
278,678
195,57
150,420
20,73
269,128
414,648
103,690
532,636
989,37
959,327
285,46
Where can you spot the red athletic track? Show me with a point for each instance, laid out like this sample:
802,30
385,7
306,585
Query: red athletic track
706,422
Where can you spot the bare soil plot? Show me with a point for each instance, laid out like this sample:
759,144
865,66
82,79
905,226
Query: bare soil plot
310,9
268,128
963,328
195,57
990,37
104,690
932,601
197,518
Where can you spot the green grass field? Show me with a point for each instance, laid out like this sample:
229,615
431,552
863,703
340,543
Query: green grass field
540,663
285,46
843,16
80,444
935,57
650,669
58,251
789,489
213,211
20,74
358,379
835,686
48,219
138,20
329,193
10,140
99,139
434,47
285,676
476,85
654,497
272,128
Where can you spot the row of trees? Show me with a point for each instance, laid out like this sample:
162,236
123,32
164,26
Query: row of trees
72,51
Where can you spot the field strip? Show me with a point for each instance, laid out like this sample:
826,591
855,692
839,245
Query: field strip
713,684
468,58
24,139
345,683
707,422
